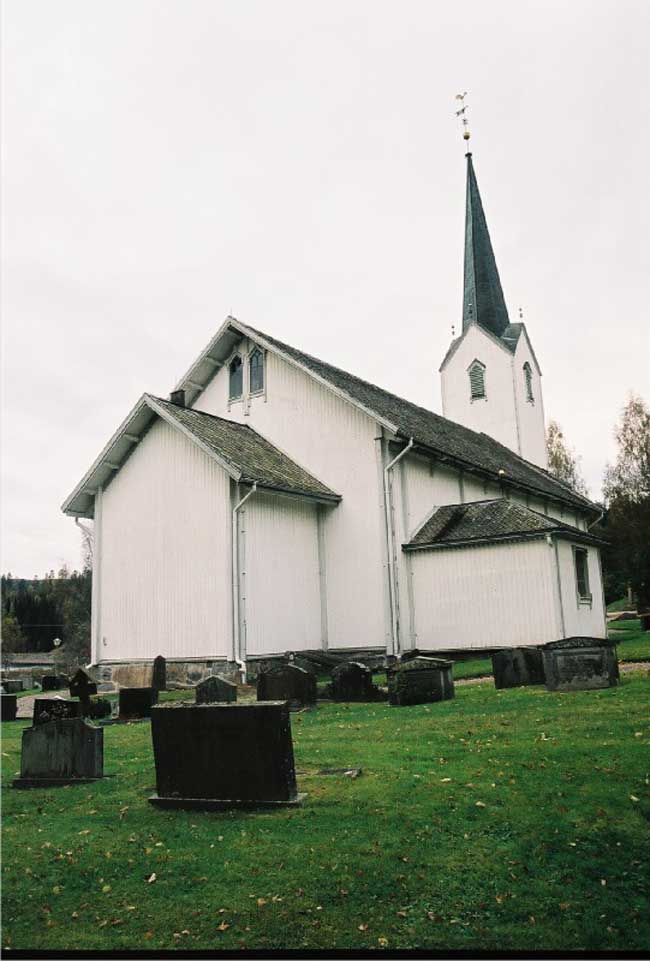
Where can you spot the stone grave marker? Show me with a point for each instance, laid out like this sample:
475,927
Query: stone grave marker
287,682
645,622
82,685
421,680
66,751
215,688
159,674
54,708
13,685
9,706
518,667
580,664
214,756
352,681
137,701
53,682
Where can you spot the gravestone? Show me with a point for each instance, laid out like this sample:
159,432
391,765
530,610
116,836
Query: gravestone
137,701
159,674
67,751
82,685
100,707
54,708
580,664
421,680
213,756
215,688
645,622
53,682
352,681
13,686
302,662
518,667
9,706
287,682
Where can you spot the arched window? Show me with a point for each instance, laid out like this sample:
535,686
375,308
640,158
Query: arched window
236,372
528,378
477,380
256,370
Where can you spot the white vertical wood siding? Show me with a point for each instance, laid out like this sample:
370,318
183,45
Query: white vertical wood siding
532,429
166,554
335,442
485,596
581,619
281,605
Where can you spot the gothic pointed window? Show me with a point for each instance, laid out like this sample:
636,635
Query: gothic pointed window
236,378
477,380
256,370
528,378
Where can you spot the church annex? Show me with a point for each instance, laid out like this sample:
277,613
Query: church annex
276,503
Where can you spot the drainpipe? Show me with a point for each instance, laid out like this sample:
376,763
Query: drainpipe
235,584
390,534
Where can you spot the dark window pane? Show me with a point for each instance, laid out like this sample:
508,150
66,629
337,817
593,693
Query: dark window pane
236,377
582,573
257,371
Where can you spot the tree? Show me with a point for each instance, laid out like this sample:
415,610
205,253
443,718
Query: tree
626,488
13,639
563,461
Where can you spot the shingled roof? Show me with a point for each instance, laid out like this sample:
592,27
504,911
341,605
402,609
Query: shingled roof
487,521
434,433
252,456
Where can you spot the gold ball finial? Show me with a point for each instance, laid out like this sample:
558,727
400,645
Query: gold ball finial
466,135
462,114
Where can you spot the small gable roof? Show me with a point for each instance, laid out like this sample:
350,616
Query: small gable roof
455,525
243,453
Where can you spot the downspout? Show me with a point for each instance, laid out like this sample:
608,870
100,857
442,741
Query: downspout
390,534
94,565
236,635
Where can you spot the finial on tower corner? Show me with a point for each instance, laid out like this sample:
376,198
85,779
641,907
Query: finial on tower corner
462,114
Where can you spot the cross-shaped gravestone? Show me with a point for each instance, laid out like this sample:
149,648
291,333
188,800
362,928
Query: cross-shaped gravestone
82,686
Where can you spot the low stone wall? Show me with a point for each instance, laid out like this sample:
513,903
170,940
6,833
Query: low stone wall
182,673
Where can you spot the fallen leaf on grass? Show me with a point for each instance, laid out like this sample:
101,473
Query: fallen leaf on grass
74,914
633,797
260,902
151,878
479,804
382,942
363,927
106,889
223,926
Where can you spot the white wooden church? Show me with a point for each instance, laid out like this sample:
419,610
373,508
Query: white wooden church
276,503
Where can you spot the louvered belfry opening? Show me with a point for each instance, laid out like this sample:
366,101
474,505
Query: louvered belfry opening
477,380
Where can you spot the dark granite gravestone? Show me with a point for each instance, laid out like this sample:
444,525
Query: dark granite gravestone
518,667
9,706
54,708
82,686
353,682
302,662
53,682
13,686
421,680
137,701
286,682
100,707
212,756
645,622
580,664
159,674
215,688
68,751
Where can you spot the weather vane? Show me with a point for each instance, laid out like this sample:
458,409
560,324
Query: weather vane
462,113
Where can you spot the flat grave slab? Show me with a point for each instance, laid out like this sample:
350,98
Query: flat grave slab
518,667
67,751
580,664
215,689
218,756
420,680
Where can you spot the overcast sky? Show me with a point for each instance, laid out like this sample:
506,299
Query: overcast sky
299,165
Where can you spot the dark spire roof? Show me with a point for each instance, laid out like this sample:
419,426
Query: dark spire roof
483,300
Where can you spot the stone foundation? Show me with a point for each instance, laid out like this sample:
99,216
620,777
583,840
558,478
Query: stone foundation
179,673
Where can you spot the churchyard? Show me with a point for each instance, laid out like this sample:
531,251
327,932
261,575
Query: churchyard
499,820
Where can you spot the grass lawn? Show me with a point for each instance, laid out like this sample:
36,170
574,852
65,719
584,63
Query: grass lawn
633,644
509,820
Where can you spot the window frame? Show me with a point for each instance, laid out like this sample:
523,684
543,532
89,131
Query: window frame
528,383
231,360
477,364
583,599
262,354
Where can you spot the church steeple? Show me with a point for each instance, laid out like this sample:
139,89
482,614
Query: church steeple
483,300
